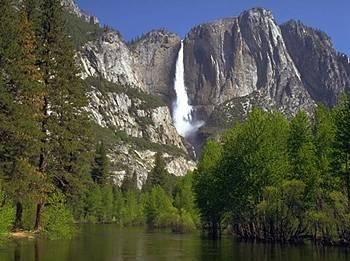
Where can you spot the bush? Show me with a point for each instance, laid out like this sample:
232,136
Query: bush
7,213
132,210
57,218
159,211
94,212
184,222
107,203
29,215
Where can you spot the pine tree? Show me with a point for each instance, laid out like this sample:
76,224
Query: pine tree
66,144
22,129
158,176
100,171
129,182
8,108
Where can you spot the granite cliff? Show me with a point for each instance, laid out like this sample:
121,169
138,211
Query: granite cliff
230,66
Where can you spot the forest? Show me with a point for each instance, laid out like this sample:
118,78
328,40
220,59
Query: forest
278,179
54,171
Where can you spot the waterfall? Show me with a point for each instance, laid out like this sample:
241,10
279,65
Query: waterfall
182,111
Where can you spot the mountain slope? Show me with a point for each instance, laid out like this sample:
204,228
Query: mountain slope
231,65
325,73
134,124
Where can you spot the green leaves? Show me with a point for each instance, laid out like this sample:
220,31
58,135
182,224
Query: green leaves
57,218
7,214
100,172
276,178
159,176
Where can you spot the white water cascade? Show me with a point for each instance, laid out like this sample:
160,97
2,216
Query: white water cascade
182,111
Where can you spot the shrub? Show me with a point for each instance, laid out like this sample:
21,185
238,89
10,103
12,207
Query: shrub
57,218
184,222
6,215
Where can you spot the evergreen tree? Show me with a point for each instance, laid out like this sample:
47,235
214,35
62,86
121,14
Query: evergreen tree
100,171
94,207
9,47
107,203
66,143
129,182
158,176
21,110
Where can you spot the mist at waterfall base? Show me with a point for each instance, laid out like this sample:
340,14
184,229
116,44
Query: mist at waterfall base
183,112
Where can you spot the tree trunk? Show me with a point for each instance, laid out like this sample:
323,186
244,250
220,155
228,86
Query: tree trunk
19,214
38,225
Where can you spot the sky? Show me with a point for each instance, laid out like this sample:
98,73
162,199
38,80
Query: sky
134,17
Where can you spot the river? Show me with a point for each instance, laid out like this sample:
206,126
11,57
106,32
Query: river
111,243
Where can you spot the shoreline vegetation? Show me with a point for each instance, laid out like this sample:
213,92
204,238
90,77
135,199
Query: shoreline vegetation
280,180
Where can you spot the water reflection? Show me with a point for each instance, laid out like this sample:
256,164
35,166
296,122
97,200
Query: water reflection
110,243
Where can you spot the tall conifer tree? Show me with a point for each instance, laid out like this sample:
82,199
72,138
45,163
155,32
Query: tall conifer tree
65,154
20,102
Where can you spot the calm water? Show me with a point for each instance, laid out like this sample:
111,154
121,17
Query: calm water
108,242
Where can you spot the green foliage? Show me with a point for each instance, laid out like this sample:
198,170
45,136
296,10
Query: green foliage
100,171
282,211
29,212
81,31
206,185
7,215
324,139
301,152
94,205
159,211
342,142
184,222
118,205
107,203
129,182
57,218
159,176
184,201
132,211
279,180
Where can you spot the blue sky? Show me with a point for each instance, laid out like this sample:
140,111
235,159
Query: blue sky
133,17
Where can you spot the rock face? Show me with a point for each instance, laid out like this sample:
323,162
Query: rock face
241,57
124,158
148,63
325,73
110,58
135,126
134,117
155,57
73,8
231,65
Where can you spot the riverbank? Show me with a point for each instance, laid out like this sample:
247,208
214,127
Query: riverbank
23,235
